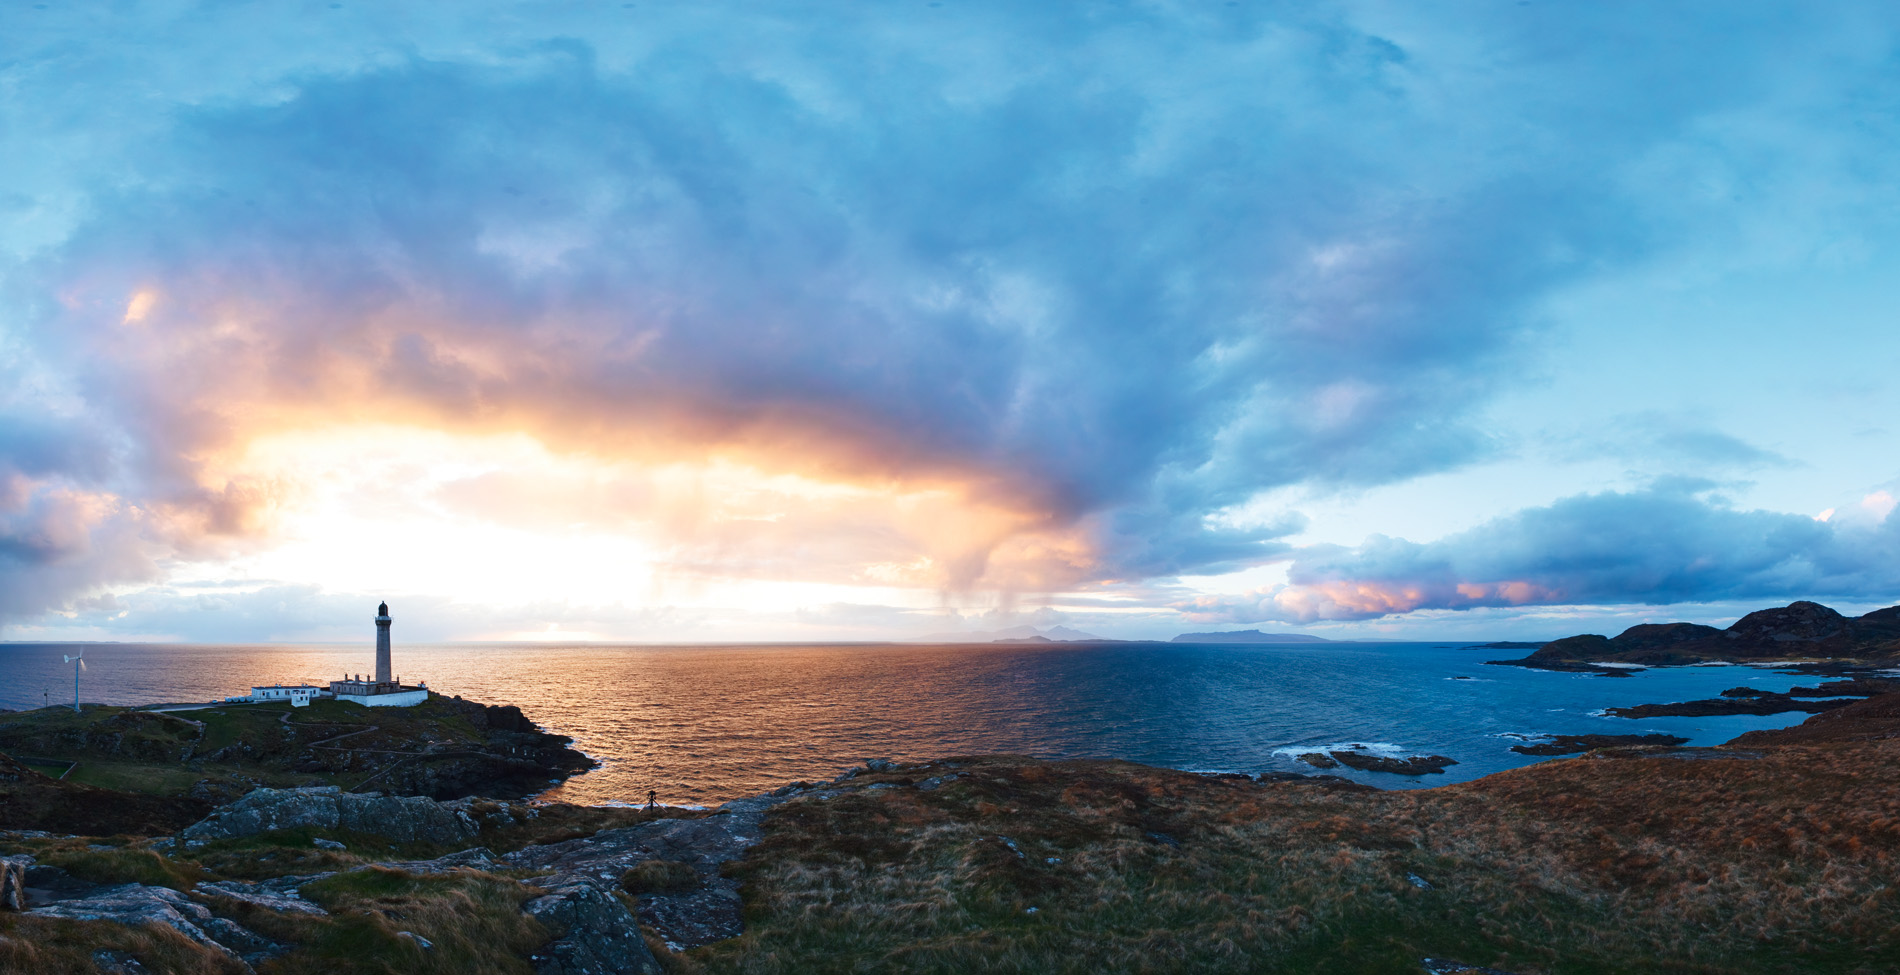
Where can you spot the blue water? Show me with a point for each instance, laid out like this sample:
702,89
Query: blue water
705,724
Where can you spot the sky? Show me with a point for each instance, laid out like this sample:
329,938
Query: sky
821,321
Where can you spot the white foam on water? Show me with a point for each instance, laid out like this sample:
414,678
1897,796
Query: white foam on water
1616,666
1381,748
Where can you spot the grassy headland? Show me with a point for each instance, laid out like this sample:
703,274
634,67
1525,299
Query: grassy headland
1779,853
443,748
1800,631
1624,861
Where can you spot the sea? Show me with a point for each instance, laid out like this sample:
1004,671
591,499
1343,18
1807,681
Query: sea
703,724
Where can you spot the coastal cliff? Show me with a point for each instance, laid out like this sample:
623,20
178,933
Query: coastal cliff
1775,853
1800,631
177,764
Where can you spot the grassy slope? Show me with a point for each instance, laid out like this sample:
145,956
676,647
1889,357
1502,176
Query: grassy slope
1782,864
236,747
473,918
1622,861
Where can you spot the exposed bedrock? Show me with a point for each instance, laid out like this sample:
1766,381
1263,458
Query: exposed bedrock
404,819
594,934
137,904
698,908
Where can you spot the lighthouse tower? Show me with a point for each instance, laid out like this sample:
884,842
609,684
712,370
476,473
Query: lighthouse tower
385,691
382,645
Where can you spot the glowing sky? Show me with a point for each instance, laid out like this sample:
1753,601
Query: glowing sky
789,321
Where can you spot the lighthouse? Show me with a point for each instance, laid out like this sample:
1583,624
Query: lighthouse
382,644
384,691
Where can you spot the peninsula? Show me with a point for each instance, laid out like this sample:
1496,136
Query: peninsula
1799,633
1772,853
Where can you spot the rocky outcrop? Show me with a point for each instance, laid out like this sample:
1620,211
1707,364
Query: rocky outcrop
1576,744
1875,719
686,915
404,819
137,904
1416,765
279,894
1717,707
594,933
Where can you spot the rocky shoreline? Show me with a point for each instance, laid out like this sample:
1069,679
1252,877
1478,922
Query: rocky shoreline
270,880
262,882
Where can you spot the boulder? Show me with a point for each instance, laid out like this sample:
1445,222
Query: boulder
404,819
594,934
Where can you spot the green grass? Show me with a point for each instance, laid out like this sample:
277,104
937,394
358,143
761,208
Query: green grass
1301,878
160,780
54,946
473,919
253,723
120,862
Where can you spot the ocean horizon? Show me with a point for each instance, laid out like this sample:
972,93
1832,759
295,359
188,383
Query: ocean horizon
705,723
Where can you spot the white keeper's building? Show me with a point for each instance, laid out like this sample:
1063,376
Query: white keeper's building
298,695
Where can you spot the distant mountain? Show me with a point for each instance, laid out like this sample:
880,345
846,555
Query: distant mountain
1014,634
1248,636
1797,631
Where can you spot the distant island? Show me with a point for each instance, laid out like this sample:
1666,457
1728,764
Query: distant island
1248,636
1015,634
1804,632
1031,635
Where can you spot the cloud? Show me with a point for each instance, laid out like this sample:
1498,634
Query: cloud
1096,276
1668,544
1660,442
